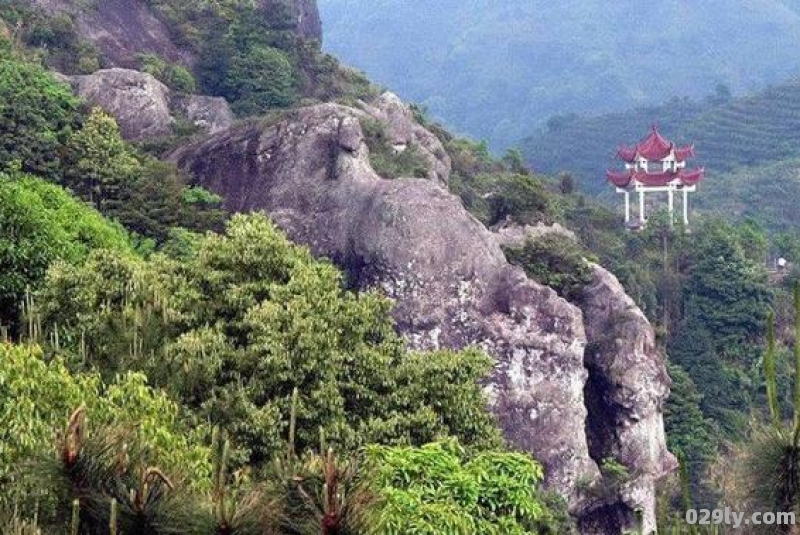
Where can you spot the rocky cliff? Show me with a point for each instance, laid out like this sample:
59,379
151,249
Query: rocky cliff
121,30
574,383
124,29
305,14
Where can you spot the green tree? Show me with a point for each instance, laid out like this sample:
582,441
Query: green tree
690,434
39,115
259,79
42,223
726,388
99,164
726,290
236,327
438,489
157,199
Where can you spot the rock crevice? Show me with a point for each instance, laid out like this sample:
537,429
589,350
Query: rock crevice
557,391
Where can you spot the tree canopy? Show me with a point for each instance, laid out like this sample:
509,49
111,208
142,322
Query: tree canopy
42,223
39,115
233,329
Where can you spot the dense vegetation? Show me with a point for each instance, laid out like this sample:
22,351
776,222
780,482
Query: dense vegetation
232,330
214,376
250,53
52,38
285,340
497,70
48,133
157,379
42,223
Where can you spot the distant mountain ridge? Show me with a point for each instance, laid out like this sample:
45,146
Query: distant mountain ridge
496,70
746,144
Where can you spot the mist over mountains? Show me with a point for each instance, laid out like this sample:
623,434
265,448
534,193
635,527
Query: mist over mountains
497,70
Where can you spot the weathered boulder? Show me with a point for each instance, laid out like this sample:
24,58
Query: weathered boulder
350,135
211,114
453,287
403,130
627,387
139,102
144,107
510,234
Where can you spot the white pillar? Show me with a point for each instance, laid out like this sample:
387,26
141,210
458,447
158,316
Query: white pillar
627,207
685,207
641,206
671,206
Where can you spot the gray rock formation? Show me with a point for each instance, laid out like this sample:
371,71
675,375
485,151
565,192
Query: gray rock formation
121,29
628,384
404,131
453,287
512,235
139,102
144,107
212,114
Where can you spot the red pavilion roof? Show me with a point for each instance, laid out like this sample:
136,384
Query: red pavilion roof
655,147
626,178
684,153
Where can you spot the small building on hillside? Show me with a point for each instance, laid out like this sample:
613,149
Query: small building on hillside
655,165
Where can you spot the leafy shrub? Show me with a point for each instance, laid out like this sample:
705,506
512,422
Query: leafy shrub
388,161
37,397
438,489
39,114
42,223
175,76
556,261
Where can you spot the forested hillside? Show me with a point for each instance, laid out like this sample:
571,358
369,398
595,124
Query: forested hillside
168,367
497,70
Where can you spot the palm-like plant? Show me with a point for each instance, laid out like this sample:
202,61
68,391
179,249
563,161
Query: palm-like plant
106,473
237,510
770,461
320,493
